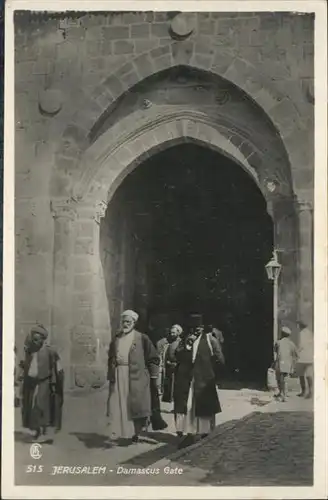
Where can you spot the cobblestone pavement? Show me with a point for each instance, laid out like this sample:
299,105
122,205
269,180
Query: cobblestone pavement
272,446
263,449
83,442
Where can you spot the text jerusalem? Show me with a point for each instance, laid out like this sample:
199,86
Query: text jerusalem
78,470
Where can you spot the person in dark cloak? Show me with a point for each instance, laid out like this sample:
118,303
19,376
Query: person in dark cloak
196,401
43,385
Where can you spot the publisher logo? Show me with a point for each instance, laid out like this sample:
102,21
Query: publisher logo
35,451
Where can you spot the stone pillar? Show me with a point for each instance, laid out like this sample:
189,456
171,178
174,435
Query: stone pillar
90,322
286,244
306,299
64,214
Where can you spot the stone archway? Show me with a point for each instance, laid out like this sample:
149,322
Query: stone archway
103,166
90,322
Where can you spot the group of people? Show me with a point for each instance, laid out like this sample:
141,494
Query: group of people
185,369
289,360
192,370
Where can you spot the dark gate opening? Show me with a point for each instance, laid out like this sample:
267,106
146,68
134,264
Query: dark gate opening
188,234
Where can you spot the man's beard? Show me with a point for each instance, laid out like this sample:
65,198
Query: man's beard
127,329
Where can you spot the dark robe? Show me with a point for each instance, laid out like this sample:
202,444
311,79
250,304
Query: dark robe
43,395
169,371
205,370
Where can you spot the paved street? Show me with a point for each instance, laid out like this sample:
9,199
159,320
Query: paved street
241,442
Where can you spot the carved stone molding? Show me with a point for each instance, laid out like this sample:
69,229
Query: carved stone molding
101,208
182,25
63,208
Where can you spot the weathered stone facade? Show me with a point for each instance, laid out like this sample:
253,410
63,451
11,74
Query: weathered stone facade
96,94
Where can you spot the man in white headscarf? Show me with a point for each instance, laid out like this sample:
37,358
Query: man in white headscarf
169,362
285,361
132,374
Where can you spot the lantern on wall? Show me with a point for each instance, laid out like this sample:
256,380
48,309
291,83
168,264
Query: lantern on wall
273,268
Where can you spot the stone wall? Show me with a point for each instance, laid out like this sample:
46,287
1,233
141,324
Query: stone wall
69,73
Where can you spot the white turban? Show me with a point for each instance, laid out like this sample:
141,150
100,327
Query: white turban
130,314
179,328
286,330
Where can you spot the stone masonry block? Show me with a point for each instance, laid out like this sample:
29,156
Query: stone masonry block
270,21
96,64
76,33
124,156
85,316
138,147
140,30
89,377
130,79
123,70
75,133
159,29
165,41
123,47
116,32
191,129
82,281
114,86
163,63
206,133
142,46
84,246
90,20
221,62
86,229
206,27
65,164
182,53
134,17
143,65
106,48
284,115
41,67
246,149
82,265
201,61
160,16
83,354
204,48
93,47
236,140
160,52
224,25
104,99
265,98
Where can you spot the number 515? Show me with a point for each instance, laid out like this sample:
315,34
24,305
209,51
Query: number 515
34,468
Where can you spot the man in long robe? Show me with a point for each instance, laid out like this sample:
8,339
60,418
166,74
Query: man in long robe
169,363
132,374
196,400
43,385
305,360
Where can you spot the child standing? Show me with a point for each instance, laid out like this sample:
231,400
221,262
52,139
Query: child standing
285,360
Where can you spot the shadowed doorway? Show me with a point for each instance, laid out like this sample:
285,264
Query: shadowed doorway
187,232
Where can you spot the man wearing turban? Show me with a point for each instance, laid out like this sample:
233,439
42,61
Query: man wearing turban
169,362
43,384
132,373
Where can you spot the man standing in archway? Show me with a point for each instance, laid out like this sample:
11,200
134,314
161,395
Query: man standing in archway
132,374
